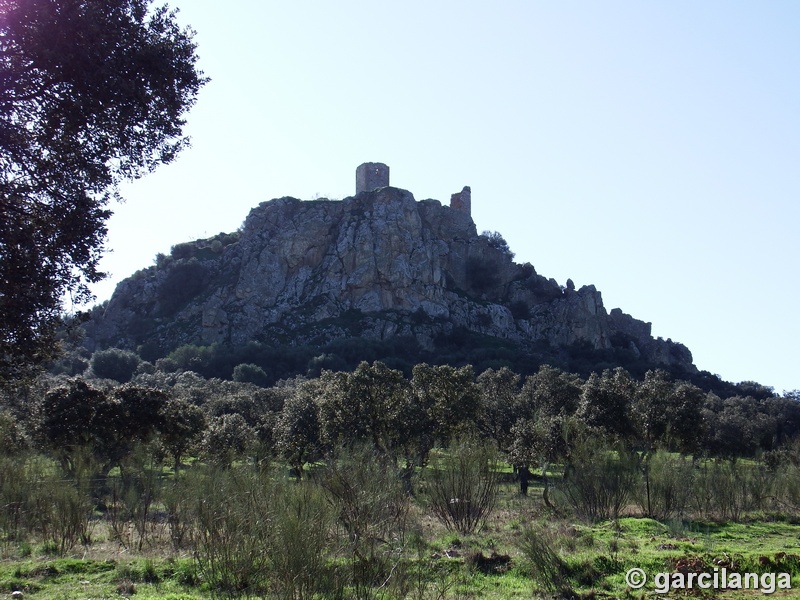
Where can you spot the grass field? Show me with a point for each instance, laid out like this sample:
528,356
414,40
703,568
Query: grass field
506,558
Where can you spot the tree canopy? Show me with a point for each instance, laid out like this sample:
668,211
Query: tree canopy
92,92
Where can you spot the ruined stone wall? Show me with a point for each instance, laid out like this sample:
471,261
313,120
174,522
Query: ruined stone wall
371,176
462,200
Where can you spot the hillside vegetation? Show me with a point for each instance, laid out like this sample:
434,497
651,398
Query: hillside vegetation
367,399
373,484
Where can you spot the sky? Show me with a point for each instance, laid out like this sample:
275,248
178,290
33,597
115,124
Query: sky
651,149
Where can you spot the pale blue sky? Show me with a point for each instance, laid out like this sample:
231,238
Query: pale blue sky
651,149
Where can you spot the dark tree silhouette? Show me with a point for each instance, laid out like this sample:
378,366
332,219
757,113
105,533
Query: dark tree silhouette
92,92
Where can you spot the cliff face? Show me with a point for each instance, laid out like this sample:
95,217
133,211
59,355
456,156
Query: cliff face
375,265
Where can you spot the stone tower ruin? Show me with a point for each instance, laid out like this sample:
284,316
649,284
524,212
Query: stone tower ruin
462,200
371,176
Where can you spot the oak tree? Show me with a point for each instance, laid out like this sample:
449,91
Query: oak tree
92,92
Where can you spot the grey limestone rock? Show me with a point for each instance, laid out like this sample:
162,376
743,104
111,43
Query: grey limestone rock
379,263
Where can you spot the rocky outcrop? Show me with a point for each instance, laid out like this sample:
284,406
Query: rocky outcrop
376,265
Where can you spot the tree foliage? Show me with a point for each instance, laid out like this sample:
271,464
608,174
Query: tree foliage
227,439
182,424
500,410
363,406
667,413
552,392
450,396
400,419
77,418
605,400
297,431
71,416
92,92
116,364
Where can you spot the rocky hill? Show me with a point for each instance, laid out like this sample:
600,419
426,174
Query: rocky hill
376,265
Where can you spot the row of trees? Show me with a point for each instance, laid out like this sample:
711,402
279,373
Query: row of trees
77,453
534,422
265,364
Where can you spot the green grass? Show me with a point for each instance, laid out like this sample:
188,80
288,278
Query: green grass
441,564
67,578
596,556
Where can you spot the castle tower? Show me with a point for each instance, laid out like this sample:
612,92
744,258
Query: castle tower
462,200
371,176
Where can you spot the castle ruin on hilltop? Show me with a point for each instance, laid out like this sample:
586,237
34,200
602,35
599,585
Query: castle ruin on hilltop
373,175
462,200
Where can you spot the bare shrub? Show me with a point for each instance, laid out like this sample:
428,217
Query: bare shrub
231,531
25,504
300,538
728,490
543,562
598,481
667,486
134,494
177,497
371,507
254,533
787,488
14,498
66,508
57,508
463,485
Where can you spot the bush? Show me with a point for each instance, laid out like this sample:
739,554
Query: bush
250,373
463,486
300,537
189,358
788,487
231,532
667,486
728,490
136,492
177,496
255,534
598,481
544,564
64,510
183,251
16,495
116,364
498,242
372,508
